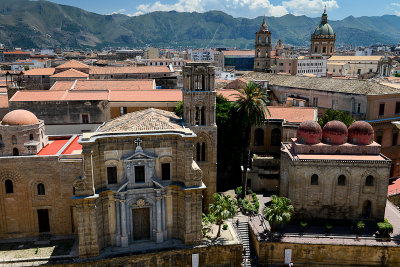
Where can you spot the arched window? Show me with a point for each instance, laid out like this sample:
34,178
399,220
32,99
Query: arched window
259,137
276,137
341,180
14,139
198,152
15,151
314,179
203,152
9,187
369,181
40,189
31,137
203,116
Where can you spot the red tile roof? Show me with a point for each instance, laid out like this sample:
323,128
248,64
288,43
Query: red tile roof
71,73
62,85
85,95
52,147
128,70
164,95
229,94
114,85
293,114
3,101
38,95
394,187
73,64
17,53
40,72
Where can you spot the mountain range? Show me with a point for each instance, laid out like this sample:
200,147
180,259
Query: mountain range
44,24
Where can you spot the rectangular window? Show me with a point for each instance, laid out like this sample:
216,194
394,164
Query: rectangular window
166,171
139,174
394,140
379,139
315,102
397,110
85,118
358,108
122,110
381,109
111,175
359,71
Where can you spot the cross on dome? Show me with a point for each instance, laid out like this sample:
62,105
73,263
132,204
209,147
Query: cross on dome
138,143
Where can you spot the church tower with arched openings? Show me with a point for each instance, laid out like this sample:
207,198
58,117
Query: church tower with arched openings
262,57
199,114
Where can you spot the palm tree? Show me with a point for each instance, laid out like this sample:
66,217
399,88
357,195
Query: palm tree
251,104
221,209
278,212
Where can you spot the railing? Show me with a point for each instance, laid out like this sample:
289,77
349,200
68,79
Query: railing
262,220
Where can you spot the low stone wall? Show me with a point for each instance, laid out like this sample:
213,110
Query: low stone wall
327,255
218,255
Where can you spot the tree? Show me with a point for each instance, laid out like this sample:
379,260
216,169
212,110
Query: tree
279,212
251,105
221,209
339,115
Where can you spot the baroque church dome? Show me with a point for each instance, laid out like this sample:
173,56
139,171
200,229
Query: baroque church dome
309,132
19,117
361,133
324,28
334,133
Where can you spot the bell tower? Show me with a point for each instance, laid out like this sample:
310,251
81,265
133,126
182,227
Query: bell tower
262,57
199,105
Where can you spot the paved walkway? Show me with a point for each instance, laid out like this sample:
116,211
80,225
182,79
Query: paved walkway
392,213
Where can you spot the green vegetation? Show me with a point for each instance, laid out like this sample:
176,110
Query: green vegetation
53,25
397,75
339,115
221,209
385,228
251,106
279,212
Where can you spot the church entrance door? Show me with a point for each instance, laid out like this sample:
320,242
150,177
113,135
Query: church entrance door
367,209
43,218
141,223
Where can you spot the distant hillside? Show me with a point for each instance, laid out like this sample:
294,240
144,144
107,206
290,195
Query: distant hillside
30,24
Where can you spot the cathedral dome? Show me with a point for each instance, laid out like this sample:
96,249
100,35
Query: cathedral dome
361,133
19,117
324,28
309,132
335,133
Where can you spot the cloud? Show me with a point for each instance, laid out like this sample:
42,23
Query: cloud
246,8
305,7
395,4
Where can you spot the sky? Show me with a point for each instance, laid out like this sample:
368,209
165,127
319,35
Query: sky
337,9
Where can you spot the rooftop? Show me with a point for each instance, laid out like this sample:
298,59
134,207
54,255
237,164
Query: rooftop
62,146
293,114
238,53
145,120
355,58
40,72
72,64
71,73
128,70
361,87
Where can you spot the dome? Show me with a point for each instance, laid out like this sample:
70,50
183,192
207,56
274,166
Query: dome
309,132
19,117
361,133
334,133
323,29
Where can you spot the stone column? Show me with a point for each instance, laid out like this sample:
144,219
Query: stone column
159,235
124,235
164,218
118,222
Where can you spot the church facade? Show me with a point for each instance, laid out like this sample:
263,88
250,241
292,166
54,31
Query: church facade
323,38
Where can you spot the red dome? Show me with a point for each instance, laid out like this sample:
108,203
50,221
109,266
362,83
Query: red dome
334,133
361,133
309,132
19,117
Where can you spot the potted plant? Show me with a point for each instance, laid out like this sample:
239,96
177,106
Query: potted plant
359,226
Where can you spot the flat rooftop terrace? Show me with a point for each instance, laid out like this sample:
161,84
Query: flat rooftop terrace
62,146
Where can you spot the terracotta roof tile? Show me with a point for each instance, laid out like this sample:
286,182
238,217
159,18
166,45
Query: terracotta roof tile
293,114
62,85
114,85
145,120
17,53
164,95
40,72
3,101
73,64
85,95
229,94
37,95
128,70
71,73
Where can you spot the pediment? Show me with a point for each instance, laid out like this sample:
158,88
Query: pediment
140,156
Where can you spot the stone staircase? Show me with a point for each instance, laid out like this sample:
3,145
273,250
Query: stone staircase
243,229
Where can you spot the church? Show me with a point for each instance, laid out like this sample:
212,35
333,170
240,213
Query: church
145,176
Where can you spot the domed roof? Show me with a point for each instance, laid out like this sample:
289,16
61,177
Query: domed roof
335,133
19,117
309,132
361,133
323,29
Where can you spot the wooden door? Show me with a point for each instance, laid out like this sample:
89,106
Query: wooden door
141,223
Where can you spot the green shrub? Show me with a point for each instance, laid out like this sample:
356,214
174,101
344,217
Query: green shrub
303,224
238,191
385,228
225,227
328,226
360,225
249,191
